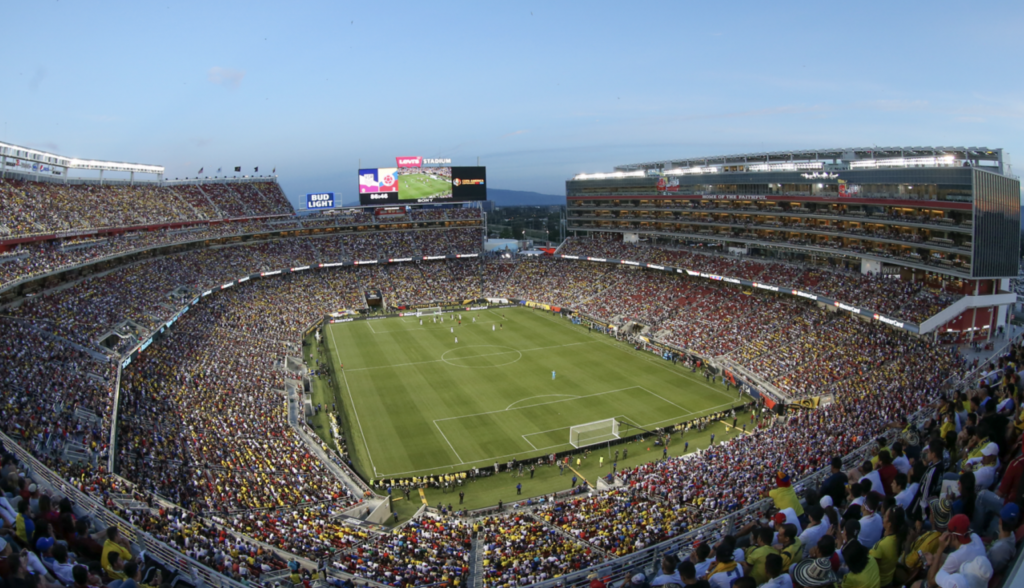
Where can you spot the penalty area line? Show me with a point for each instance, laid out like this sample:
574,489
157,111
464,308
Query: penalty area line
448,442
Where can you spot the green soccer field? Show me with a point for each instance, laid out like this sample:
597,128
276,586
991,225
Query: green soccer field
415,186
416,402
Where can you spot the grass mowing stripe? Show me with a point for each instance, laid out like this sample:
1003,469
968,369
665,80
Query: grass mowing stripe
351,400
618,345
377,367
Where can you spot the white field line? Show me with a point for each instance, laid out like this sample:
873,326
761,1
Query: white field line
535,405
666,400
541,396
449,442
569,427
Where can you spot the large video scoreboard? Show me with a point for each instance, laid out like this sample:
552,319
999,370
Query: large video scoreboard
415,180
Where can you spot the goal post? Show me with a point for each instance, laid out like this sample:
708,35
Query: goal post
593,433
429,311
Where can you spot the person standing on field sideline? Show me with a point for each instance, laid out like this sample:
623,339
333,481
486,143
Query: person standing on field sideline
552,374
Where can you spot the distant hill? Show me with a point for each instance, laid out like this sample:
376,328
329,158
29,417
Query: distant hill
518,198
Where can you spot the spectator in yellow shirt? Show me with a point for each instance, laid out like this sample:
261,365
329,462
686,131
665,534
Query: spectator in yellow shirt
784,496
115,543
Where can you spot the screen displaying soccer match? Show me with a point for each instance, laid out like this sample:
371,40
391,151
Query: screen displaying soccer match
411,185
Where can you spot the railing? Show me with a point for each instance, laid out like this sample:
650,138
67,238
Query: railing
196,239
346,475
190,568
112,445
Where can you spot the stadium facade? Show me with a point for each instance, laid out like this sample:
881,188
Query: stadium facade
948,216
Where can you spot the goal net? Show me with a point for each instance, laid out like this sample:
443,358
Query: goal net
595,432
429,311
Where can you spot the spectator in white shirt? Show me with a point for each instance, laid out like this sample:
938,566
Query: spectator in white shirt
899,459
871,522
973,574
699,557
985,468
970,545
869,473
904,493
668,574
816,528
777,578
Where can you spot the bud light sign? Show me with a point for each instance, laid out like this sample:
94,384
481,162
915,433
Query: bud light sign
321,200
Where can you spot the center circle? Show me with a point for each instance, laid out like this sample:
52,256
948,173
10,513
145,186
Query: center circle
481,356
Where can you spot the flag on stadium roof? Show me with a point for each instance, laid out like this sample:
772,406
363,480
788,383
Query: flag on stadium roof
200,171
238,168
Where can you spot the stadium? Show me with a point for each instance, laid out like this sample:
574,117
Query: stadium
727,353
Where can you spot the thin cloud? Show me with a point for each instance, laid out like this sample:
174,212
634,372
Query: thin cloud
224,76
898,105
37,78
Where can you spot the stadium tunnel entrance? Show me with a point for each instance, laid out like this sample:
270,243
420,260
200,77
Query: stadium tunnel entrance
374,299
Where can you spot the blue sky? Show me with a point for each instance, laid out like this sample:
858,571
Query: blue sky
538,91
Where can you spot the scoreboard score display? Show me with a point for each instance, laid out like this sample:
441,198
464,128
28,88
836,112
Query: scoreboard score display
320,200
412,182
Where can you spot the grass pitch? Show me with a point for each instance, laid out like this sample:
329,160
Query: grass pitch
416,186
416,402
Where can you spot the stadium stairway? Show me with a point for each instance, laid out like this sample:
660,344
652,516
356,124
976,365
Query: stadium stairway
220,213
75,452
476,564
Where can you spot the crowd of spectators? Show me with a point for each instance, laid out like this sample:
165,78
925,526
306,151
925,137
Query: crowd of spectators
911,301
41,208
518,550
618,522
427,550
28,208
201,424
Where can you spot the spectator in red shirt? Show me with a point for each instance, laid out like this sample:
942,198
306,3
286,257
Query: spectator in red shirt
1012,482
886,470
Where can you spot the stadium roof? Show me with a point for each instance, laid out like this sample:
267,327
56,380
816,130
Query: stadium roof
12,151
844,154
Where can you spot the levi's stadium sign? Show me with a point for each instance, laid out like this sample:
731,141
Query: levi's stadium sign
405,162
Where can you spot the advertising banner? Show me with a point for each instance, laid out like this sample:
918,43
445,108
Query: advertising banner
409,162
320,200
